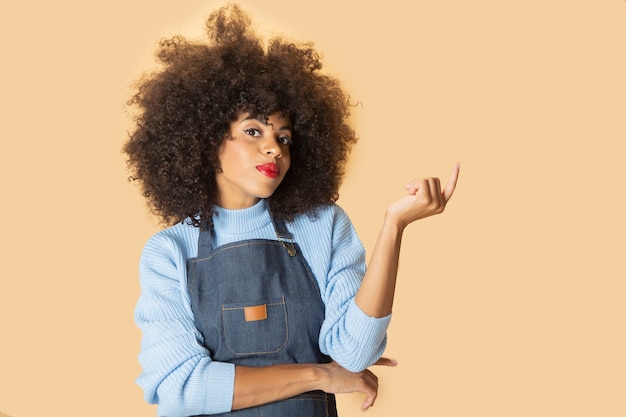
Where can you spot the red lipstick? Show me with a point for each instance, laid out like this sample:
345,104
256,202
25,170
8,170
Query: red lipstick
269,170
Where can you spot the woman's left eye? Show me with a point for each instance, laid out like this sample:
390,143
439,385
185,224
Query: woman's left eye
285,140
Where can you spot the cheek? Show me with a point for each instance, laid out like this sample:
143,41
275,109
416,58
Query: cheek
231,156
222,153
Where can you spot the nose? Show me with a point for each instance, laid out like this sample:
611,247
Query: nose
271,147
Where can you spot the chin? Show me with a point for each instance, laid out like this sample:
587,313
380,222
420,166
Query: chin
262,196
267,193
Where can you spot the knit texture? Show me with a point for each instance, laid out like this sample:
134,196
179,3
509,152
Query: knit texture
177,372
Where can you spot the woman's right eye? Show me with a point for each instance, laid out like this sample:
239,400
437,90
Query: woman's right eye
252,132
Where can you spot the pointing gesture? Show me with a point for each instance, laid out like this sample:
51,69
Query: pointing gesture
425,198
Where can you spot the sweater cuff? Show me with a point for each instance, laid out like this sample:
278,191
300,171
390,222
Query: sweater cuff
371,330
222,382
205,393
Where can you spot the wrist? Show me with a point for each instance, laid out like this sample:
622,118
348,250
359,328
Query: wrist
318,376
394,221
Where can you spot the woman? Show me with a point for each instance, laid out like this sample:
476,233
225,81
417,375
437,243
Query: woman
256,300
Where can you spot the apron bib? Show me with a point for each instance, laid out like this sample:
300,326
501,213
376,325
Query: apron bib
256,303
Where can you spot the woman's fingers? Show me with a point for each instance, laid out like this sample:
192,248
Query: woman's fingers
430,188
371,389
386,362
414,186
368,402
435,197
425,198
451,185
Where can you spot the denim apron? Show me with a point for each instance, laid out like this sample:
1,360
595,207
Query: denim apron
256,303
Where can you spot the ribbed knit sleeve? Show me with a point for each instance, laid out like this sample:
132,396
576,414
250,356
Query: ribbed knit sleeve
352,338
337,258
177,372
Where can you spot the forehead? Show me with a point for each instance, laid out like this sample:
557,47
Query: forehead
276,119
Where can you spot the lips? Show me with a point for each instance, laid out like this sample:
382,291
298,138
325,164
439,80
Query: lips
269,170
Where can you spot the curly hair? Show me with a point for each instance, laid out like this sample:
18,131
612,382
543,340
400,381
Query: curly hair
185,111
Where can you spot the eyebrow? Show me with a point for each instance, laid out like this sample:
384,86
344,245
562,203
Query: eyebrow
263,119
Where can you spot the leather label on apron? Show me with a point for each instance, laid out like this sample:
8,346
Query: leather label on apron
255,313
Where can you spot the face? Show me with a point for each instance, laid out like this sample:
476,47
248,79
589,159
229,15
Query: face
253,160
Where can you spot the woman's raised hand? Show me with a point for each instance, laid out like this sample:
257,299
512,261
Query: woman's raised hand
425,198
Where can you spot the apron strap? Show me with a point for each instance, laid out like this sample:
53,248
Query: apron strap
205,241
282,234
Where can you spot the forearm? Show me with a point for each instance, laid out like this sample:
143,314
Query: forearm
425,198
256,386
260,385
376,293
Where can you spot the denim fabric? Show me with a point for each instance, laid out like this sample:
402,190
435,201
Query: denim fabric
272,277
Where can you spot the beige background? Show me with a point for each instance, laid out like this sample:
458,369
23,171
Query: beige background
509,304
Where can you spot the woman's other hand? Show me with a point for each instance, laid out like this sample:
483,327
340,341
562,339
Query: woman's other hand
338,380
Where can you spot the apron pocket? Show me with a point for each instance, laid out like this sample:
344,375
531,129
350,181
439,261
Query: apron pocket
255,328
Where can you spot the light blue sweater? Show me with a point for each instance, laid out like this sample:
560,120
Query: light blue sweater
178,373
